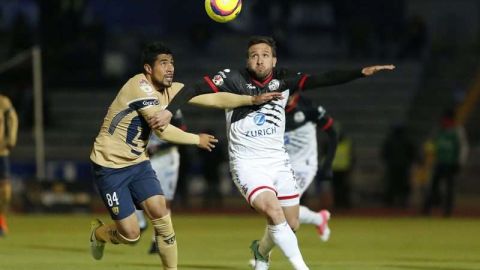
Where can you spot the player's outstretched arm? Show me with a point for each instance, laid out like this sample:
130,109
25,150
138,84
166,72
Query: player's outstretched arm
336,77
367,71
226,100
222,100
175,135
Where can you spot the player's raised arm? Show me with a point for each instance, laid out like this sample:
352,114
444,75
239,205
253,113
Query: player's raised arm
225,100
175,135
334,77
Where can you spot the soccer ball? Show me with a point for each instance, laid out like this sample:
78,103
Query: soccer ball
223,11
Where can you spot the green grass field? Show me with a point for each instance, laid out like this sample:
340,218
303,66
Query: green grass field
41,242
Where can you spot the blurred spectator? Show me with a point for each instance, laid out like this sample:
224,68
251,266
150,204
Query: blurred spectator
212,162
415,39
422,171
451,149
398,154
342,167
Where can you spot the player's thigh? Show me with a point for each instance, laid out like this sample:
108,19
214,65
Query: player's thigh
267,204
113,187
147,192
286,186
155,207
252,179
128,226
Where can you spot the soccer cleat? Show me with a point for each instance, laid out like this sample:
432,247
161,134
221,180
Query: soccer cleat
260,262
323,229
96,246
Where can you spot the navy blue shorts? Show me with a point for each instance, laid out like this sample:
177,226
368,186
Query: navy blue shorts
123,189
4,167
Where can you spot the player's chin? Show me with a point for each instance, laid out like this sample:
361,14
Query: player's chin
167,83
261,74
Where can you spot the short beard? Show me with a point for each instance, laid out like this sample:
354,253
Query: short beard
160,85
256,75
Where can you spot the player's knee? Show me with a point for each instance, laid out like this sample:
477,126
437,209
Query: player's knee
294,224
129,239
273,211
130,233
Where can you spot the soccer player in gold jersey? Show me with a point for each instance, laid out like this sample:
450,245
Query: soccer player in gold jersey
8,139
122,171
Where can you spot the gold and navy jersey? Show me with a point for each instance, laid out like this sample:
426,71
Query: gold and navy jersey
8,126
124,134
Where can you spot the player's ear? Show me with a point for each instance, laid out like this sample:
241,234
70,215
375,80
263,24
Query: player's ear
147,68
274,61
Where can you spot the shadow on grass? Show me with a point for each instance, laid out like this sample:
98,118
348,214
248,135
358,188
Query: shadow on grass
426,267
429,260
63,248
188,266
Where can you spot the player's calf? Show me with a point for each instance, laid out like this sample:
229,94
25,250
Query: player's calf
166,242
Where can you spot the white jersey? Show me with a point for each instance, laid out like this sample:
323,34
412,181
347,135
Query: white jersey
301,143
258,159
260,134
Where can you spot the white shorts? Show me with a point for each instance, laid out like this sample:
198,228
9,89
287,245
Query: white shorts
253,177
166,164
305,171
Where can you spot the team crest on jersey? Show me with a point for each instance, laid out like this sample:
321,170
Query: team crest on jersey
259,119
299,117
115,210
274,85
146,87
217,80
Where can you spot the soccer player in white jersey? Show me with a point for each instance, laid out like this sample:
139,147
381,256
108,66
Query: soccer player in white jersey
259,164
123,174
303,121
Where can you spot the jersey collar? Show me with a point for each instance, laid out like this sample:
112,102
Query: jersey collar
264,82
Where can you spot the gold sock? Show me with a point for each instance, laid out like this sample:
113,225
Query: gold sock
166,242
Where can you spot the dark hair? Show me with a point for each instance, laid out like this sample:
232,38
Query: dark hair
263,39
152,50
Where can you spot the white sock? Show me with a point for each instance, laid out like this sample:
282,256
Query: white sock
283,236
142,222
266,244
307,216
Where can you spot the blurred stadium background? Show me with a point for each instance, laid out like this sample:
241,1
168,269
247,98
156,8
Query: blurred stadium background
89,49
63,61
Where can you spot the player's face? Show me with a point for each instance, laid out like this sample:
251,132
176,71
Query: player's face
162,71
260,60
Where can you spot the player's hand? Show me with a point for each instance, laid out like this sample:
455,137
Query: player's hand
367,71
160,119
207,142
266,97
